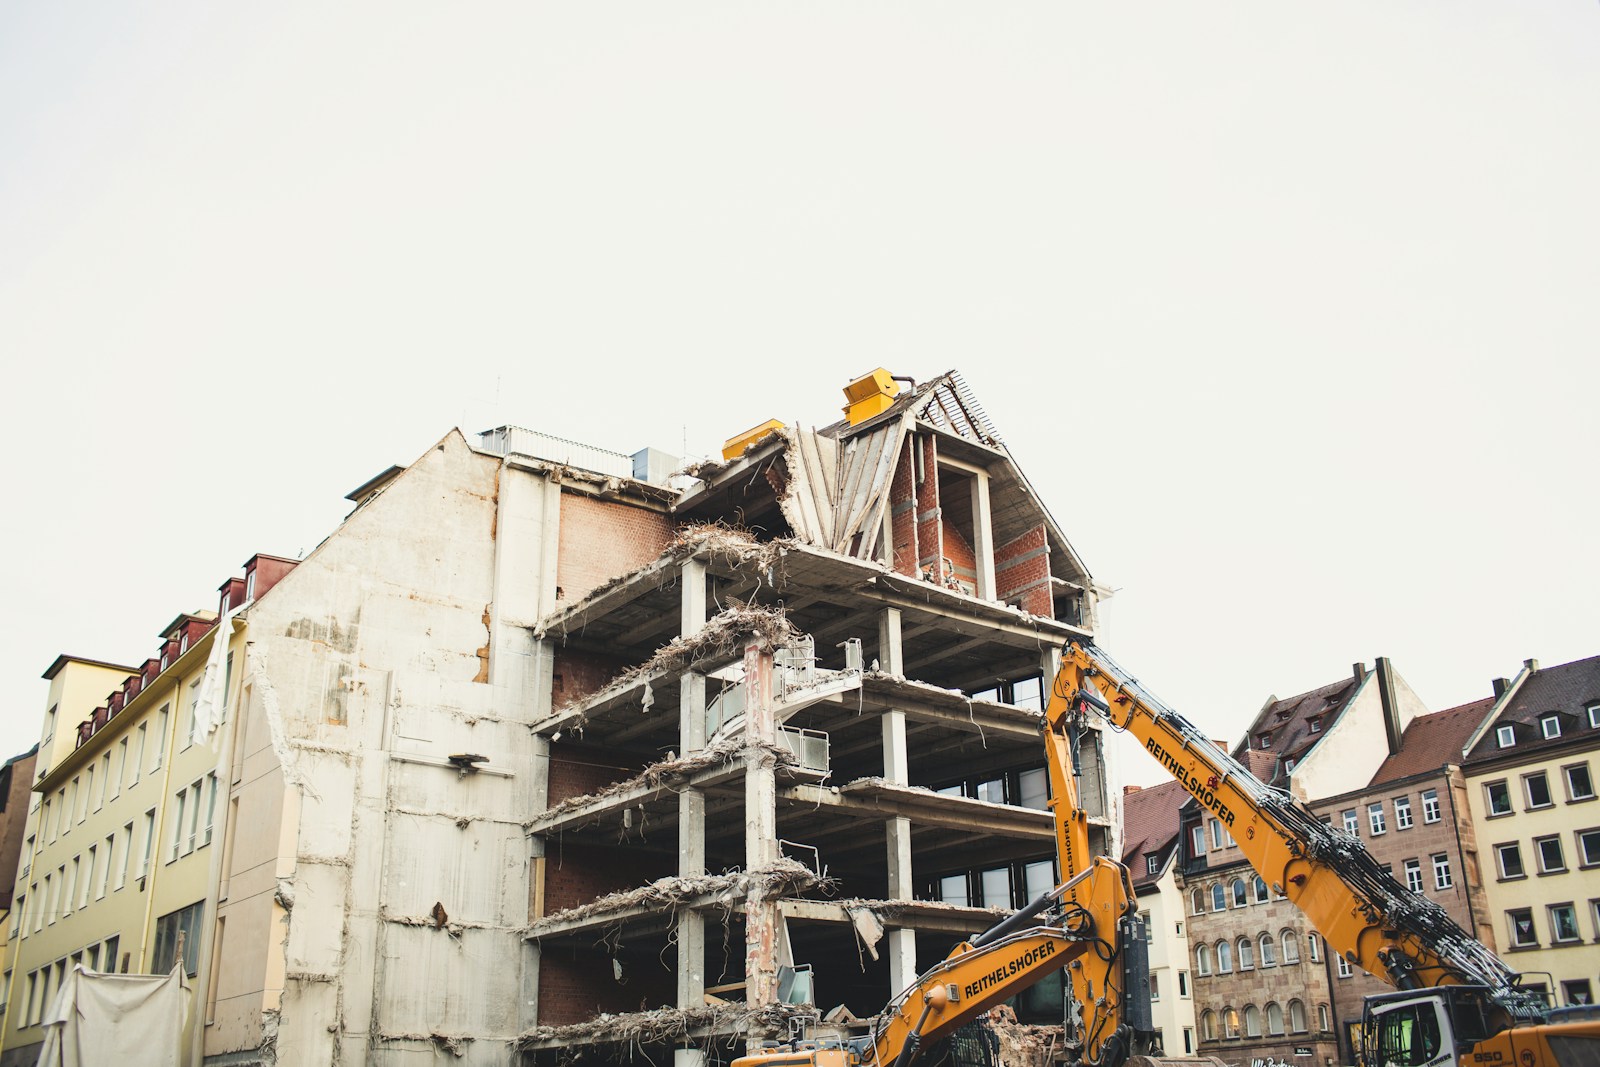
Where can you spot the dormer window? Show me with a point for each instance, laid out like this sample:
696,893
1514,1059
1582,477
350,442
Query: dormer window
1264,740
227,601
1314,725
1594,716
1505,736
1288,765
250,587
163,659
183,643
1152,864
1550,726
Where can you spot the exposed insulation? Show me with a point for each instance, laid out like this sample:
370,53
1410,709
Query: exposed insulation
665,1024
782,877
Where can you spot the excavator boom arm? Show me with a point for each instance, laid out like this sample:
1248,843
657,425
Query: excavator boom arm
1361,911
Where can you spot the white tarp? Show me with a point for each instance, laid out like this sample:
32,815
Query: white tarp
131,1020
208,704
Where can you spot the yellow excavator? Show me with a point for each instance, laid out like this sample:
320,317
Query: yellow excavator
1457,1002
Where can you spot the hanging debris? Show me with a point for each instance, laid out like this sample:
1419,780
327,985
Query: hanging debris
673,771
664,1025
782,877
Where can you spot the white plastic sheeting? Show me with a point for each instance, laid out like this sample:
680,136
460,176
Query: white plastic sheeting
132,1020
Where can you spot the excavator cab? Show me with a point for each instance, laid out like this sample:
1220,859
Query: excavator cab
1418,1028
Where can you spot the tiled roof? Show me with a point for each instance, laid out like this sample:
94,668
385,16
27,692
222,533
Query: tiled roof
1288,722
1149,824
1433,740
1567,690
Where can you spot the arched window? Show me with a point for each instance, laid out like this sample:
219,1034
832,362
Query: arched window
1208,1025
1291,947
1237,887
1261,890
1252,1021
1269,951
1297,1017
1224,958
1314,948
1274,1019
1230,1023
1202,960
1197,900
1219,897
1247,956
1324,1018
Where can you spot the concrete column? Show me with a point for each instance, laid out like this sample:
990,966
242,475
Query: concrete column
983,536
691,925
761,825
891,656
902,944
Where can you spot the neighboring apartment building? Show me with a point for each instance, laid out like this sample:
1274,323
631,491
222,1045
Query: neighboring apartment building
828,648
1414,819
1150,851
1262,983
16,783
1530,772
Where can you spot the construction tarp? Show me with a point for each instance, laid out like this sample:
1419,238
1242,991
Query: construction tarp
131,1020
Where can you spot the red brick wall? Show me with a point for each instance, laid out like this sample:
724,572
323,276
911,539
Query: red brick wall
902,511
576,874
578,770
1030,577
578,675
930,547
601,540
576,985
959,553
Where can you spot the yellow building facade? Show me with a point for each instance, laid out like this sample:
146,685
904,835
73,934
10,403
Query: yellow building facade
125,827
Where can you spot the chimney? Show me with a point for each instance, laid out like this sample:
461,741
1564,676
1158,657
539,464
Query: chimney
1129,790
1391,714
1500,685
1531,664
1359,670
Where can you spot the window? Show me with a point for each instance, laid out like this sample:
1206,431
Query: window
1550,726
149,841
138,756
1188,1040
1252,1021
189,723
1537,787
127,854
1274,1019
1217,832
1509,858
1219,897
1261,889
161,736
1324,1018
1350,821
194,826
105,776
1551,861
1498,795
1149,932
953,889
1577,991
112,944
179,800
1037,877
1430,805
167,927
1033,789
1342,965
1230,1023
1375,818
1441,871
1247,954
1183,983
70,888
17,922
1402,813
1580,786
1520,923
89,879
249,587
1314,724
1152,865
1314,947
1414,875
995,885
1236,888
1588,847
1563,923
1197,840
1297,1017
1505,736
1197,900
1208,1023
1291,946
1224,958
1264,740
1202,960
1269,951
1155,987
1288,764
105,869
50,723
49,827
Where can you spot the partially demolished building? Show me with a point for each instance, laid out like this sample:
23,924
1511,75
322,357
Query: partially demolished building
796,754
547,752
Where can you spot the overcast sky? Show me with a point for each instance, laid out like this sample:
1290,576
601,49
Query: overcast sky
1288,310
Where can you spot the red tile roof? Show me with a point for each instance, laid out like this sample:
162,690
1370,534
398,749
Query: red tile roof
1149,825
1288,722
1567,690
1433,740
